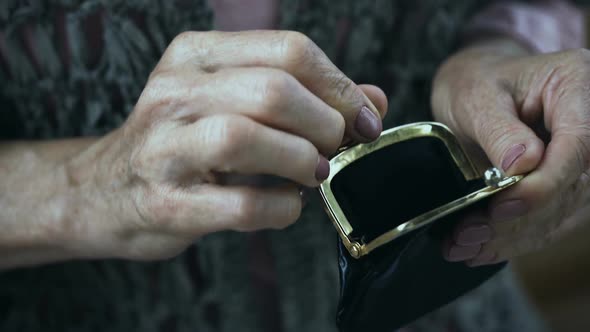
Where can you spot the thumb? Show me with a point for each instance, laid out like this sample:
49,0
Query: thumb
510,144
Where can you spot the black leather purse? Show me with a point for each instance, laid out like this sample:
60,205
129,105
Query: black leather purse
392,202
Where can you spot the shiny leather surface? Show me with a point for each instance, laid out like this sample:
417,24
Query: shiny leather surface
381,293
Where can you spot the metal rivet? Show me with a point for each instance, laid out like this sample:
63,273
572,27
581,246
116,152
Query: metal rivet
355,250
493,177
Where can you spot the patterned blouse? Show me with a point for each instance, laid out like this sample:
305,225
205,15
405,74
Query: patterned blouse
76,67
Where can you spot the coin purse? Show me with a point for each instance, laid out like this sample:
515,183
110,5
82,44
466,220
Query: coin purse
392,201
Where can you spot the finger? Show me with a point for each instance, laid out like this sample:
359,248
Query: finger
468,237
453,252
212,208
249,209
472,230
543,225
562,166
509,143
267,95
237,144
483,258
566,159
530,233
377,96
289,51
511,239
520,235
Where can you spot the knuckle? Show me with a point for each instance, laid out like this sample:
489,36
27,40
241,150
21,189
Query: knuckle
168,93
177,48
145,161
183,38
163,90
156,207
344,87
227,137
139,162
277,84
297,49
190,47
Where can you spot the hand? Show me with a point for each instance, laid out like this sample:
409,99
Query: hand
529,115
218,105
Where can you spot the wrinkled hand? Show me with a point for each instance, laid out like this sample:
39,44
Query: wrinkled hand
528,114
220,106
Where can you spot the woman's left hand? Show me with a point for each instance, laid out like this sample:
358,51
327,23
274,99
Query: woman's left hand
529,114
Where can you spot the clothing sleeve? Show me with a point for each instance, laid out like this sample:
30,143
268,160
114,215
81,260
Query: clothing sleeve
543,26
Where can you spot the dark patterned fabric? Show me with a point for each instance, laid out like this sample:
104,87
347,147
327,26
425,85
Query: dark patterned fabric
395,44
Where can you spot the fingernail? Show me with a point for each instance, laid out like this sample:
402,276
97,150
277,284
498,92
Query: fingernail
474,234
323,170
461,253
512,155
483,259
367,124
509,210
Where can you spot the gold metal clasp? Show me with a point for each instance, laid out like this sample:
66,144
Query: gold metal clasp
495,181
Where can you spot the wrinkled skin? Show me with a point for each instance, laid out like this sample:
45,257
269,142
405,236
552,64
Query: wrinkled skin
230,128
219,110
529,114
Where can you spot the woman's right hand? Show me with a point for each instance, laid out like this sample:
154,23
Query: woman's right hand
217,105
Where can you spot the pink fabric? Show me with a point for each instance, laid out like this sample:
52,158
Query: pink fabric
235,15
543,26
